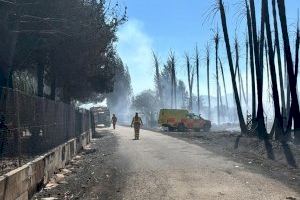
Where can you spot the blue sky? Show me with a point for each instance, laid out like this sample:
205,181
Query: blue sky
178,25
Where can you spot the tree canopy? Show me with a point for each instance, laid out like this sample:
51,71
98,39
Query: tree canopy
68,45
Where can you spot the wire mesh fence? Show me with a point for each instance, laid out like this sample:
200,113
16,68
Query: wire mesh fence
31,126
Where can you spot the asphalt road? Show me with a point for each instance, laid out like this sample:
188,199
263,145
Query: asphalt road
162,167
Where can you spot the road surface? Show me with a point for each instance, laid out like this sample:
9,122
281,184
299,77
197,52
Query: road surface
163,167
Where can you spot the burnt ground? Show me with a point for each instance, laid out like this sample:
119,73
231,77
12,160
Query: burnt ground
278,161
92,176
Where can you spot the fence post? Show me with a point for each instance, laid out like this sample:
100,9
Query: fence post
18,127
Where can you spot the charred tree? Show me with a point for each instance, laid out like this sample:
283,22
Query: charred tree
228,50
258,52
217,40
278,121
278,51
190,81
224,84
207,77
267,63
290,69
252,67
197,73
237,66
247,70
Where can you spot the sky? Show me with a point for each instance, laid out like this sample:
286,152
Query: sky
163,26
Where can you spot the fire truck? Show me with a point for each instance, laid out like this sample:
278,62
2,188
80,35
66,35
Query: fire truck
101,116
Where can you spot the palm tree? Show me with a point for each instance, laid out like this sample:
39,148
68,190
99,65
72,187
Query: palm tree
295,113
220,99
228,50
237,65
217,40
197,73
278,50
207,77
267,63
174,81
278,121
297,51
251,49
247,66
224,84
261,128
238,71
190,73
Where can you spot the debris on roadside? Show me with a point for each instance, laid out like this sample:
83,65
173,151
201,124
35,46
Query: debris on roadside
51,184
59,177
88,150
65,171
77,158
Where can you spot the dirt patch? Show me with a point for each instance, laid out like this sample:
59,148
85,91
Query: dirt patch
89,175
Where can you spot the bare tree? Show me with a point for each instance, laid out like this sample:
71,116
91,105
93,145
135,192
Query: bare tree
190,73
268,75
197,74
157,80
247,70
297,50
207,77
294,112
278,50
237,65
251,50
228,50
258,51
173,77
278,122
224,84
217,40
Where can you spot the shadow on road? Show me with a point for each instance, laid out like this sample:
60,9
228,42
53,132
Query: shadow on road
237,142
289,154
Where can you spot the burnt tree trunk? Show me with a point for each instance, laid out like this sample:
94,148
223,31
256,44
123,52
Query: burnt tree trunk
261,128
278,50
217,74
228,50
251,50
207,77
197,72
290,69
278,121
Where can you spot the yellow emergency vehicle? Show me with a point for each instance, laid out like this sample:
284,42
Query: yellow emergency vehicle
182,120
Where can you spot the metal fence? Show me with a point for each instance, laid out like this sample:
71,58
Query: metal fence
30,125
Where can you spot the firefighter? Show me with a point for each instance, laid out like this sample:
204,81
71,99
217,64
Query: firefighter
114,120
137,123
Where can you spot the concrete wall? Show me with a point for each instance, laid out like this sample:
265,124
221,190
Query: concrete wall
23,182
